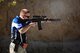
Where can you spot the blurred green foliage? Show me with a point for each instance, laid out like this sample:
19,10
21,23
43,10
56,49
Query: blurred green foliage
13,3
1,1
10,3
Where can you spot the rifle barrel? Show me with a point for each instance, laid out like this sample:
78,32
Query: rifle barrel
45,19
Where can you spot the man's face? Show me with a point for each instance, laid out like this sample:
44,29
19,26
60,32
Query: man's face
26,15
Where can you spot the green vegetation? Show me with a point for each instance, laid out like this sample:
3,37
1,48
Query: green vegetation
13,3
10,3
1,1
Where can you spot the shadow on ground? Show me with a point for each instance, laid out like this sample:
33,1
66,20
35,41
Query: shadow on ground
44,47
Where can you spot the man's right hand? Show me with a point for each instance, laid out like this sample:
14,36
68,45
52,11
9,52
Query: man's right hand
25,45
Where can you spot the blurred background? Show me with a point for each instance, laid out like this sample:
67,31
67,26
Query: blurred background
56,37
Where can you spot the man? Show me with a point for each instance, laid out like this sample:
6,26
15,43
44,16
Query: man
20,25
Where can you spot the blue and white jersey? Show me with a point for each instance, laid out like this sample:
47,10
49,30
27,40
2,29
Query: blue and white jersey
17,24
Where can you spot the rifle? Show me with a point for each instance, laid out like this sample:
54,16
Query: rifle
38,19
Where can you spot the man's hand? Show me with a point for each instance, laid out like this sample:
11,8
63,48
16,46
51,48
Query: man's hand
26,28
25,45
32,24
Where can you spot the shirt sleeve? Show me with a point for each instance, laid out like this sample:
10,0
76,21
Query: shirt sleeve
16,24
